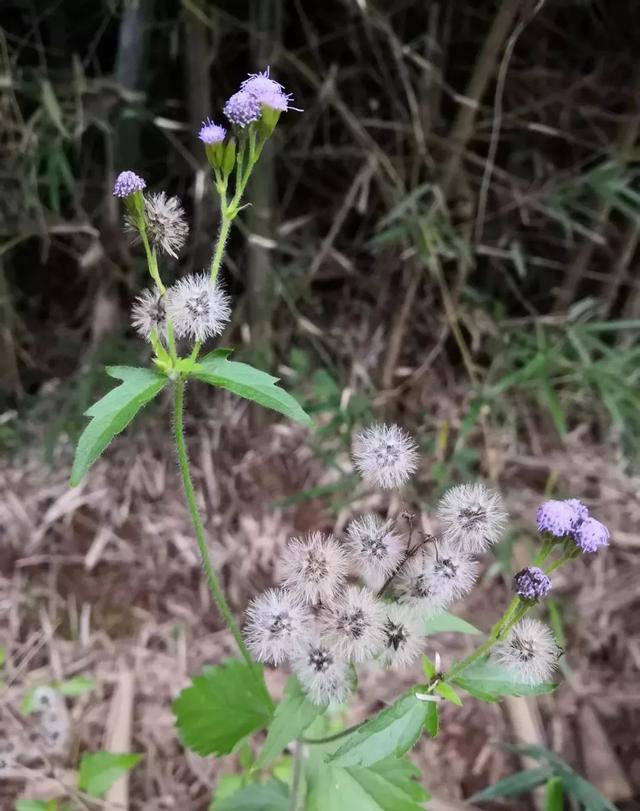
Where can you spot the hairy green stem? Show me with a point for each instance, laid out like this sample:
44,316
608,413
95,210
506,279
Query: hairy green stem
223,235
296,779
212,580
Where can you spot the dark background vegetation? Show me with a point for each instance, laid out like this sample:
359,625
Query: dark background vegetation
459,197
448,235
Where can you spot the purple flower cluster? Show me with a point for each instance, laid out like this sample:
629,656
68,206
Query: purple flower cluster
242,108
257,91
127,183
571,519
532,583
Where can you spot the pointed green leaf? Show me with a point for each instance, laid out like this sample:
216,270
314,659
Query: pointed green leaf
515,784
36,805
112,414
250,383
99,771
448,693
392,732
388,786
428,667
446,622
293,715
270,796
583,791
489,682
221,707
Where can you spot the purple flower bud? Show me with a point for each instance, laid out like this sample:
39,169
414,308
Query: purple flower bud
211,133
242,108
127,183
581,512
556,517
532,583
591,535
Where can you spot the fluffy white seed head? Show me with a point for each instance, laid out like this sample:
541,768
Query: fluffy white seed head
277,622
354,625
385,455
149,313
314,567
198,307
472,517
374,547
529,651
165,223
403,635
322,672
434,579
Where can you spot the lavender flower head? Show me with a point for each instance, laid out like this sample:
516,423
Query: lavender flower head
590,535
127,183
558,518
242,108
267,91
532,583
581,512
211,133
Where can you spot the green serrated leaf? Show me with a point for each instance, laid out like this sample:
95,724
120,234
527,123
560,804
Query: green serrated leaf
448,693
77,686
446,623
270,796
221,707
515,784
293,715
112,414
392,732
489,682
99,771
250,383
388,786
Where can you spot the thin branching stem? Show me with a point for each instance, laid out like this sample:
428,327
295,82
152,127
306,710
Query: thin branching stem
212,580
